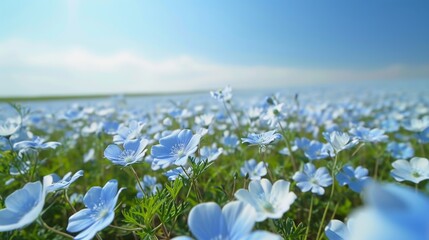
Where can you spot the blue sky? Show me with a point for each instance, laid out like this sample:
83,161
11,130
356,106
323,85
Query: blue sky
99,46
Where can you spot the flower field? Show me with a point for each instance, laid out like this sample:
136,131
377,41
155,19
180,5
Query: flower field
346,165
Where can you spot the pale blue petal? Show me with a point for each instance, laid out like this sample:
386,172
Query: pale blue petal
240,218
207,222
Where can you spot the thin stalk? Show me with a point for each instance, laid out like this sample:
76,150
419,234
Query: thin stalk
309,216
292,158
68,201
137,178
125,229
55,230
230,116
422,150
330,198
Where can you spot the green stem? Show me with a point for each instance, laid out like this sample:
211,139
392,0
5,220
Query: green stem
330,198
137,178
55,230
230,116
68,201
125,229
286,139
422,148
309,217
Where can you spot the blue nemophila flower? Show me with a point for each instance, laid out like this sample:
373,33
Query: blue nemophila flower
262,139
175,173
253,169
130,132
337,230
312,179
400,150
210,154
110,128
317,150
415,170
230,141
369,135
339,140
56,183
23,206
269,201
234,222
417,125
222,95
134,151
423,136
150,186
390,125
175,148
36,143
10,121
356,179
99,212
391,212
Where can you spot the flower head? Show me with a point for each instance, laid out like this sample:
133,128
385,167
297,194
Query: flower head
134,151
222,95
337,230
391,212
23,206
175,148
400,150
253,169
36,143
56,183
235,221
369,135
99,212
415,170
312,179
130,132
150,186
356,179
339,140
269,201
262,139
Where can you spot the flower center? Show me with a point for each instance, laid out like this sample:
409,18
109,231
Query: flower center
102,213
179,150
416,174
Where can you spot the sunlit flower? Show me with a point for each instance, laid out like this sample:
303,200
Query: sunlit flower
269,201
356,179
312,179
99,212
22,207
130,132
337,230
262,139
150,186
391,212
339,140
235,221
56,183
36,143
400,150
222,95
253,169
415,170
134,151
369,135
175,148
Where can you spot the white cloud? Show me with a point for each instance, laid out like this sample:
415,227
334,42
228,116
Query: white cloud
31,69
